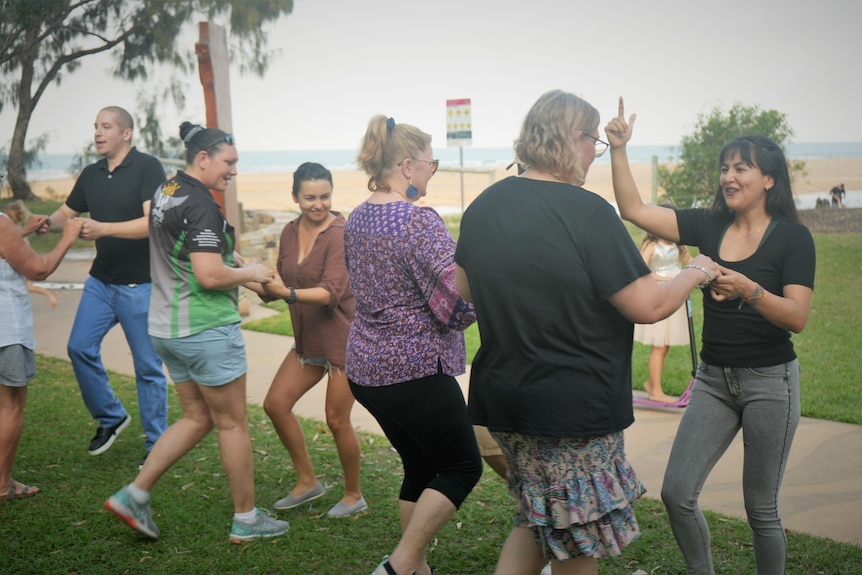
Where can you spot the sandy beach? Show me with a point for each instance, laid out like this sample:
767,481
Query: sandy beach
271,191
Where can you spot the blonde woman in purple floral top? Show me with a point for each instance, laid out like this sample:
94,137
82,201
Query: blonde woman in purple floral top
406,343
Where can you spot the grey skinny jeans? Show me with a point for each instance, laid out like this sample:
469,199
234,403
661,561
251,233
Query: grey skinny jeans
764,402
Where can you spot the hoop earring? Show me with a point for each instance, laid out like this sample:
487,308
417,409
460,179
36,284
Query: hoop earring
412,191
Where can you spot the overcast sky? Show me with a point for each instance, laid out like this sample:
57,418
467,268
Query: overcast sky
342,61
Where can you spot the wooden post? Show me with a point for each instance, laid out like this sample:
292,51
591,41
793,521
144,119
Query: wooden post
214,69
655,180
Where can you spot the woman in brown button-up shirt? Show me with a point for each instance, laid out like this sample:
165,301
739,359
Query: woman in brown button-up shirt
314,282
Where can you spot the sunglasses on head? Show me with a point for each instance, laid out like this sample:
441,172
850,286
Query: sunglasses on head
227,138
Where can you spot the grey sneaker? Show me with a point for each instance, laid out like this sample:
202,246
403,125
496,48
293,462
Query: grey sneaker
341,509
139,517
290,501
265,525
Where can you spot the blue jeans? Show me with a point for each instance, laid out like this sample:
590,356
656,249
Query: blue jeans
764,402
102,306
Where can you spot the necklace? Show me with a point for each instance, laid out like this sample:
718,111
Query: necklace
755,231
555,176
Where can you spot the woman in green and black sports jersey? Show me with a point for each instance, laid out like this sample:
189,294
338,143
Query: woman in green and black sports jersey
194,326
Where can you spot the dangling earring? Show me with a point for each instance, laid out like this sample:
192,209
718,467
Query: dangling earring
412,191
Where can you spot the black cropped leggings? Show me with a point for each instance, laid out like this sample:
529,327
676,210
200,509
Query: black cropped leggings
425,420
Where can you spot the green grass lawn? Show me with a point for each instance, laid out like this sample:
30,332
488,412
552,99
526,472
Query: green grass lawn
66,530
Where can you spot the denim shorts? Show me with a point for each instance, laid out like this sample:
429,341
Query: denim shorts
316,361
17,365
212,357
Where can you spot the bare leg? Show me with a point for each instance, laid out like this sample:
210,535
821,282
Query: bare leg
179,438
497,463
420,522
227,405
291,382
656,366
12,400
521,554
490,450
339,403
52,297
576,566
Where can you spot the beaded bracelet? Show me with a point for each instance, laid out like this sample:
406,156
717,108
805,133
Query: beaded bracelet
704,270
755,296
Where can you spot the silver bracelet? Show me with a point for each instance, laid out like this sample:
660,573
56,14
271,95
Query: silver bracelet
704,270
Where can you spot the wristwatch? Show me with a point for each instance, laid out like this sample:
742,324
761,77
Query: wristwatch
292,297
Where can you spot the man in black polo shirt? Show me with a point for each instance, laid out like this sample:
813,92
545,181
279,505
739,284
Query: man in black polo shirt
116,191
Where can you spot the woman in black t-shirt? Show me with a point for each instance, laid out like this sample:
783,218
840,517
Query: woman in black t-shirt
748,377
557,283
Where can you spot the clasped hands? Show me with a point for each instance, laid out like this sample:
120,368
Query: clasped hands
271,285
89,229
730,284
725,283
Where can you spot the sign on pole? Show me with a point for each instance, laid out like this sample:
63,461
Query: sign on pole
459,131
459,124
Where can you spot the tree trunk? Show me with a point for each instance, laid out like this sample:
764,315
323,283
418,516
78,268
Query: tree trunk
17,171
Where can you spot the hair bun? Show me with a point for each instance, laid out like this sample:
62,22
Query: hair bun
188,131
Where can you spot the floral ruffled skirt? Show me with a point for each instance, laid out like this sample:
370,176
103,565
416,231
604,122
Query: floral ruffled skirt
575,494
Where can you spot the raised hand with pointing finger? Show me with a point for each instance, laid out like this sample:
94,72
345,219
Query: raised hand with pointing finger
619,131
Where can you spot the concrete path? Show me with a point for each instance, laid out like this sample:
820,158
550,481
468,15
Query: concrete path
821,494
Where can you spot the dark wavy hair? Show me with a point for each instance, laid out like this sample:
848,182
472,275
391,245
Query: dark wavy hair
762,153
309,171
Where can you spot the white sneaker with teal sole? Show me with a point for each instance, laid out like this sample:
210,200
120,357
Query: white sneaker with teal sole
265,525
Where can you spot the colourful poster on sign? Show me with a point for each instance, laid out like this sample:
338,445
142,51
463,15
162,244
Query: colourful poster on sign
459,124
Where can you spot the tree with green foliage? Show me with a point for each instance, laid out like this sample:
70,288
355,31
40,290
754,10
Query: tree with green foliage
40,40
694,180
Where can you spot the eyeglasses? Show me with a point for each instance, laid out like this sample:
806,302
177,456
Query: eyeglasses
227,138
433,163
601,145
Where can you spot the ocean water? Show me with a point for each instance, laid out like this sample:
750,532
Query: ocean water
275,161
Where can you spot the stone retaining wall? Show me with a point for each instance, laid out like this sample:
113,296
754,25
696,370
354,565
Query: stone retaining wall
830,220
259,242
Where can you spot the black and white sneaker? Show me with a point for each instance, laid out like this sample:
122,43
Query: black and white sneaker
105,436
144,460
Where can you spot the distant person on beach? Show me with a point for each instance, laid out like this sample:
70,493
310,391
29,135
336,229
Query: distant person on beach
19,214
312,279
406,343
748,376
558,283
194,324
19,264
116,191
665,259
836,196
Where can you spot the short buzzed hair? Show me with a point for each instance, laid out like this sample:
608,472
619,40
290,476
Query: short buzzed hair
124,119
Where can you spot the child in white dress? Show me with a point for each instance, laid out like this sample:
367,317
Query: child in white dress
665,259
